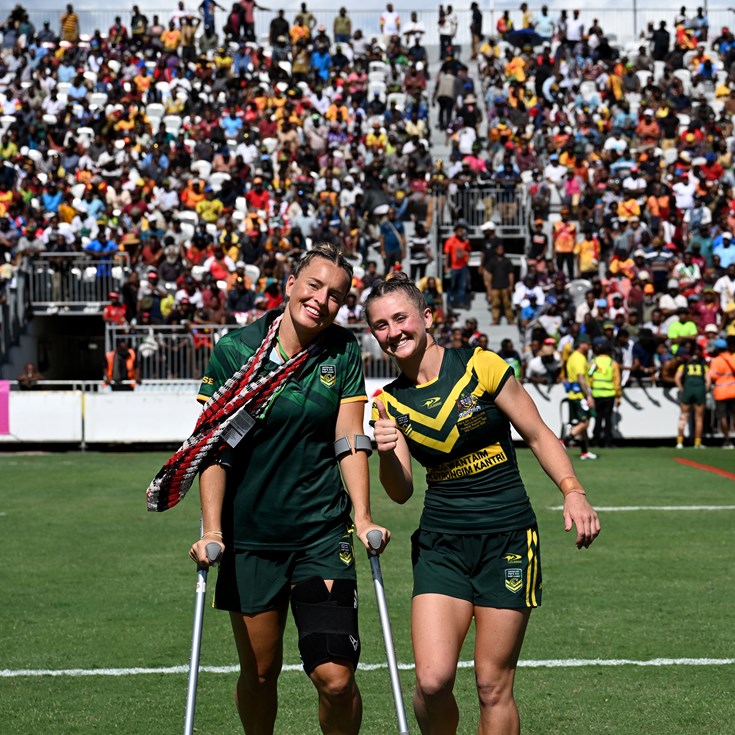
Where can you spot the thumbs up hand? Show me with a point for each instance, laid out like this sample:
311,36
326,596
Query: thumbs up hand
385,429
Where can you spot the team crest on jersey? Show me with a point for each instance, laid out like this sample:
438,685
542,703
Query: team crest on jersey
403,421
514,579
513,558
432,402
345,552
466,406
328,375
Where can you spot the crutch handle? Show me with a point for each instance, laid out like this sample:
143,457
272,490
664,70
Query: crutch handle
375,538
213,551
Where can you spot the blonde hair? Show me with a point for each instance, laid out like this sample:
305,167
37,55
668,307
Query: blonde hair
397,283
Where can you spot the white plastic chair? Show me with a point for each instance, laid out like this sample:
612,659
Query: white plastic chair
155,109
253,273
399,98
378,88
202,168
644,76
587,90
216,179
97,99
686,79
172,123
188,215
376,66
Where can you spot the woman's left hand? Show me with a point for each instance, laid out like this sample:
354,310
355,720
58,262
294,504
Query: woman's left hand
578,512
362,530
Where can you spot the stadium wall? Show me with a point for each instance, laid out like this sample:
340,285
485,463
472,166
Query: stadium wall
147,416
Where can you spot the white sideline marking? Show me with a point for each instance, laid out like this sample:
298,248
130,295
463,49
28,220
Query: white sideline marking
560,663
622,508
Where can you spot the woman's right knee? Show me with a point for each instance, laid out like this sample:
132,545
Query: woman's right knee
260,679
434,684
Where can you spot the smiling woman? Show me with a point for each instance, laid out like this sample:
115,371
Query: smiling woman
476,552
275,502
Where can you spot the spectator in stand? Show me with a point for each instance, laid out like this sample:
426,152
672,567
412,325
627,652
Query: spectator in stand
722,373
457,254
563,240
501,283
70,25
682,331
392,241
114,312
545,367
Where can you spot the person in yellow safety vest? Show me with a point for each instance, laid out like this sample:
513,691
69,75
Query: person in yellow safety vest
121,367
605,386
579,398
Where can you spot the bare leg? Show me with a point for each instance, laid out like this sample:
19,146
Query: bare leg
497,647
683,420
340,704
439,625
259,640
698,423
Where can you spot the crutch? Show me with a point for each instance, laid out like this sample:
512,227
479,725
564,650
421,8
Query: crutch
375,538
213,551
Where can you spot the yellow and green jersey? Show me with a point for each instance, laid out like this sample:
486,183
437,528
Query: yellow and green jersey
693,373
576,365
454,429
284,491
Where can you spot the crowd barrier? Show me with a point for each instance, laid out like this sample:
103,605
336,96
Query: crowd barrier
182,352
165,413
66,280
13,313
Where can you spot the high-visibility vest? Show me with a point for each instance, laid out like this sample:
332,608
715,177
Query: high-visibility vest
601,374
129,365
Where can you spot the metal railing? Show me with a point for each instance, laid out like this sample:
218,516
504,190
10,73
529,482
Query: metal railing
506,206
13,313
621,23
71,281
182,352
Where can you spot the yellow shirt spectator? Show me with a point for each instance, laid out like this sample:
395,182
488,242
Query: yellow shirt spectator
209,209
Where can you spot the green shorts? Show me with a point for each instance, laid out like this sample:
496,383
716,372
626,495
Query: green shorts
579,410
253,581
489,570
696,395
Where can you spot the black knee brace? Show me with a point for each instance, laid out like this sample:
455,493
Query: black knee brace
326,621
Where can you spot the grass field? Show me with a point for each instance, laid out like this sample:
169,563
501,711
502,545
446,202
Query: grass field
91,581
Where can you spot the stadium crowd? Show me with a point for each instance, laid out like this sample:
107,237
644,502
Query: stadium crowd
213,159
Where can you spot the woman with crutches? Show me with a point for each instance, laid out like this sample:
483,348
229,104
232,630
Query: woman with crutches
476,552
274,500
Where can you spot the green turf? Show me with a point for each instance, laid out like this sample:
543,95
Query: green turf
91,580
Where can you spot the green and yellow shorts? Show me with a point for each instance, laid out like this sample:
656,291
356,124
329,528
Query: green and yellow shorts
579,410
255,580
490,570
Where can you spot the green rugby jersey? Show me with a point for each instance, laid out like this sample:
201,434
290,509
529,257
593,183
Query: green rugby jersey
285,490
454,429
693,373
